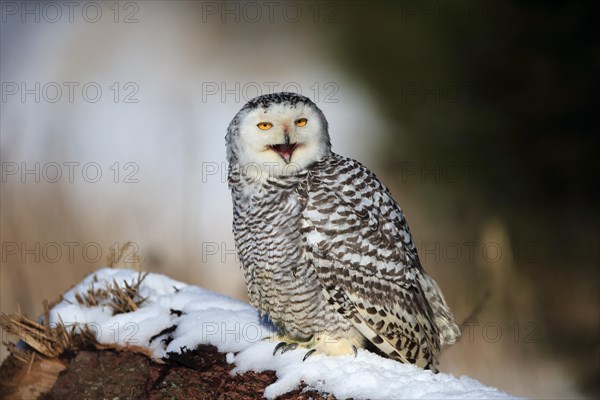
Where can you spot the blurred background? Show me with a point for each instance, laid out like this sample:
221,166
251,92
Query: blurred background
479,116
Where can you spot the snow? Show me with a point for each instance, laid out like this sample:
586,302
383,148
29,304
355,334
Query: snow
236,329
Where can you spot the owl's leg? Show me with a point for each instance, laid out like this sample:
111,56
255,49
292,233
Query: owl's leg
286,343
322,344
313,351
276,337
338,344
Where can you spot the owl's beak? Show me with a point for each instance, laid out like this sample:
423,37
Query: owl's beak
285,150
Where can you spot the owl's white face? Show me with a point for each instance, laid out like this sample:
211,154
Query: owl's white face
280,139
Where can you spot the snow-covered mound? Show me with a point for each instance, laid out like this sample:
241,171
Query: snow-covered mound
234,327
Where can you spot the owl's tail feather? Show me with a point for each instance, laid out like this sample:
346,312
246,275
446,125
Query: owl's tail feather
448,329
390,348
389,345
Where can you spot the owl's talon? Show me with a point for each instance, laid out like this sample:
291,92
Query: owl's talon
355,351
291,346
279,346
308,354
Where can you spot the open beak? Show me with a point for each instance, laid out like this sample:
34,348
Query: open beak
284,150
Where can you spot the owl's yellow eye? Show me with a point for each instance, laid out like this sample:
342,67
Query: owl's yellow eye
264,126
301,122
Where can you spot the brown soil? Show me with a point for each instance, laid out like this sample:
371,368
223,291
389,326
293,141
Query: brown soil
105,374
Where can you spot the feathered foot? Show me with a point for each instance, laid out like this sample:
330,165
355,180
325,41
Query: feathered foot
318,344
287,344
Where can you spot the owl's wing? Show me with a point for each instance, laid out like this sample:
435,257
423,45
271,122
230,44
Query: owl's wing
357,238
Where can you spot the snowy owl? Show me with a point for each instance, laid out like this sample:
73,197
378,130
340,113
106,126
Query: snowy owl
326,251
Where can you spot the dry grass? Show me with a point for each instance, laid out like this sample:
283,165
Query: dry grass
122,299
52,341
42,339
38,356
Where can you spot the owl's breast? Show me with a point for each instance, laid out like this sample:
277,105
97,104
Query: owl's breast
280,280
266,224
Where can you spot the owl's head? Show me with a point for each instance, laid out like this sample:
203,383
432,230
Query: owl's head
277,134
